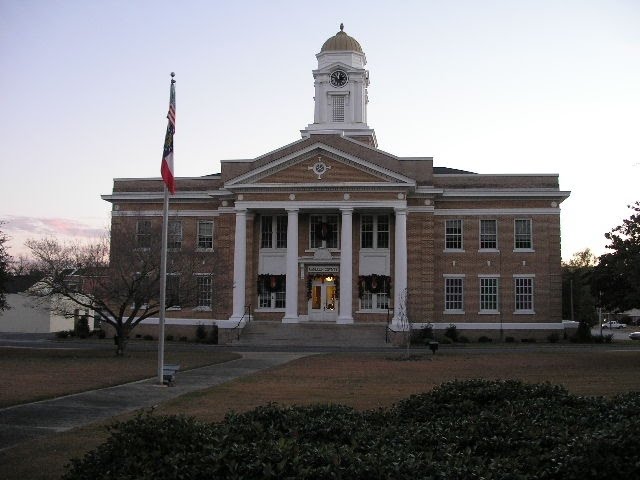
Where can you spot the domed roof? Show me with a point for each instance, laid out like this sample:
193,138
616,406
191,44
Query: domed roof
341,42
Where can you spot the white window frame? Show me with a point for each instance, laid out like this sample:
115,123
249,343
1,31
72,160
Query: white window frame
486,237
204,238
202,293
174,235
523,292
528,235
453,288
177,279
484,284
273,231
456,237
375,302
143,234
324,218
375,232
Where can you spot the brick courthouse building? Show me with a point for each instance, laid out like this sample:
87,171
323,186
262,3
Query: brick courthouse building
331,229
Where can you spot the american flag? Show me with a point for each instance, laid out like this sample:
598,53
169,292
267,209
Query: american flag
167,155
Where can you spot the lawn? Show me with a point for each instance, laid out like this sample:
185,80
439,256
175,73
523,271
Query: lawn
56,372
361,380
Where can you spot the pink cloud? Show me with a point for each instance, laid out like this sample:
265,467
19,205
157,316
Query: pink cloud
19,229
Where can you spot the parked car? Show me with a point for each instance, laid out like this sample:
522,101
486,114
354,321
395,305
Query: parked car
613,324
634,336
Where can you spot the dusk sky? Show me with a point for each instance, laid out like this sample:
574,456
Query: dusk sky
546,86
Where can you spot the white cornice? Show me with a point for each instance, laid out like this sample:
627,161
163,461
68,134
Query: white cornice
505,192
172,213
345,186
159,196
496,211
316,205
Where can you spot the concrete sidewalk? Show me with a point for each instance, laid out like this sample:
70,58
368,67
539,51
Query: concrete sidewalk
24,422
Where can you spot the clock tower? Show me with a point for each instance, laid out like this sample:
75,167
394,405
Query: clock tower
341,83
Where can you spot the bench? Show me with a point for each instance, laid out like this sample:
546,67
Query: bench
169,373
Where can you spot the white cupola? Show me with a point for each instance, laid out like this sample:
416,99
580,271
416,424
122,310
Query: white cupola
341,83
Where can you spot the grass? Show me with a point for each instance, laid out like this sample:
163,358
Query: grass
55,372
363,381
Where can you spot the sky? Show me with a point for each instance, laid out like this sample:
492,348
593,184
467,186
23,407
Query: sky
504,86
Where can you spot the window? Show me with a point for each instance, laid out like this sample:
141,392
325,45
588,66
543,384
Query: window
268,225
489,294
488,234
338,108
143,233
523,234
374,231
172,297
281,231
453,235
174,238
323,231
205,235
375,291
266,232
203,284
272,291
454,294
524,294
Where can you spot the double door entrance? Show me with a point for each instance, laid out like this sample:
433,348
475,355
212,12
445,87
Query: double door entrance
323,305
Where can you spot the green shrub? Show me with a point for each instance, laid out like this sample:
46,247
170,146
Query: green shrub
460,430
82,327
201,333
553,338
528,340
509,339
484,339
451,332
463,339
213,335
420,336
445,341
184,339
62,334
147,337
170,338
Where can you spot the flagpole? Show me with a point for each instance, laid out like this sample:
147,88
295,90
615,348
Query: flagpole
168,178
163,285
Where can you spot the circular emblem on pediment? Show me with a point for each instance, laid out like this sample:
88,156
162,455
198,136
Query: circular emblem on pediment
320,168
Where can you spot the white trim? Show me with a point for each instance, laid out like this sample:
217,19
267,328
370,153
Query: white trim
191,195
453,312
506,192
454,275
476,175
524,275
497,211
204,214
328,205
488,275
343,186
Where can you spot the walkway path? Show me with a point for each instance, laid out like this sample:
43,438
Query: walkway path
24,422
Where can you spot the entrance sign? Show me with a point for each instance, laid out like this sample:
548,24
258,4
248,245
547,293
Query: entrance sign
324,269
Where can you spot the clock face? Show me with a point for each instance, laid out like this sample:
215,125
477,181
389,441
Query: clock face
339,78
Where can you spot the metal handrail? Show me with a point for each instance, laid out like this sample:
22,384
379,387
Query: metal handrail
247,314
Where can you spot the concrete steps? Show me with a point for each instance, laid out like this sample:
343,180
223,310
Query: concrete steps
313,334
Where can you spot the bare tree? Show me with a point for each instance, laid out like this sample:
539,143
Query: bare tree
119,281
5,260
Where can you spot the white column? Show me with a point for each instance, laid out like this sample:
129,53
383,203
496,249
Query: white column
346,267
400,270
291,310
239,265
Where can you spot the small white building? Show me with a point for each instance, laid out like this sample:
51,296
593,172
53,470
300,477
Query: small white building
29,314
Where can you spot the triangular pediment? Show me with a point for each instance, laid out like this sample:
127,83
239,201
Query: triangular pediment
319,165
